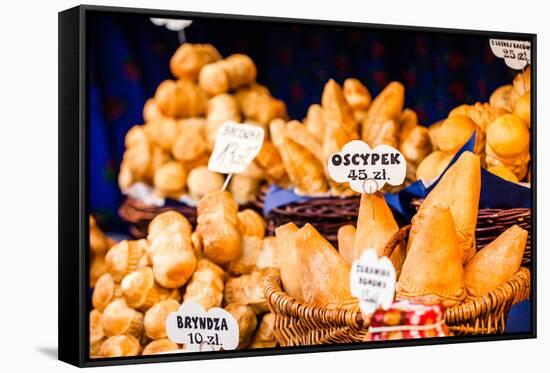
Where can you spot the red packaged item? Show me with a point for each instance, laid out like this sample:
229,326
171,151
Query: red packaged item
406,320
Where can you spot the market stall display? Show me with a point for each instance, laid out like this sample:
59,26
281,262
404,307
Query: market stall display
294,157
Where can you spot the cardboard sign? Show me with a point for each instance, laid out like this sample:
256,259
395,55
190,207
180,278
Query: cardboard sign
516,54
367,170
372,281
236,146
199,330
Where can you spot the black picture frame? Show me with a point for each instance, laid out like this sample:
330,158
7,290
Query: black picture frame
73,190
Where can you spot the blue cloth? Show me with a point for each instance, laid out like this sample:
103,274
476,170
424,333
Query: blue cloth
519,318
495,191
277,197
499,193
401,201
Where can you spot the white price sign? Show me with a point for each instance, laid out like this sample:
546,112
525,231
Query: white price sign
372,281
144,193
199,330
516,53
236,146
367,170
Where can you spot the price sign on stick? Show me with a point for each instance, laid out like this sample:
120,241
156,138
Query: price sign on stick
372,281
367,170
516,53
235,147
200,330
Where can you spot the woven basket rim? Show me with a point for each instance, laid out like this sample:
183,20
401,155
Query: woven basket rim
514,290
280,302
509,291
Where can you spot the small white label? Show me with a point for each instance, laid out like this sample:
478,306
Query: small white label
144,193
367,170
172,24
372,281
236,146
516,54
199,330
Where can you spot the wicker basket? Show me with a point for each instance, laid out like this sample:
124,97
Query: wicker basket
492,222
138,214
298,324
326,214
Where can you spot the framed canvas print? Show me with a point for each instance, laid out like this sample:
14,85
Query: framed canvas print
233,186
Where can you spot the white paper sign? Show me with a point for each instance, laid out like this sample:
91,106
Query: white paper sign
236,146
144,193
367,170
172,24
516,54
372,281
199,330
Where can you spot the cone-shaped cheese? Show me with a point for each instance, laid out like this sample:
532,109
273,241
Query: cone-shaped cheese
334,140
375,231
356,94
375,225
382,133
314,121
336,110
340,128
495,263
388,104
325,274
290,266
432,272
459,189
298,132
346,240
303,168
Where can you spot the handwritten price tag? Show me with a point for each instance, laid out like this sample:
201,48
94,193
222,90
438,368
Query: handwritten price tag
236,146
516,54
199,330
372,281
367,170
